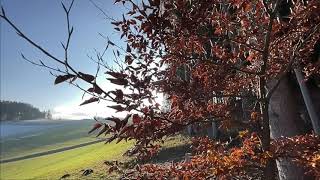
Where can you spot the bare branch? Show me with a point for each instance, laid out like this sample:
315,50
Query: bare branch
70,30
98,66
42,64
212,61
267,41
247,45
265,4
3,14
65,63
21,34
102,11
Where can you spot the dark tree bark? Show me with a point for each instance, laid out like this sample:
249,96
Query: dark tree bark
286,121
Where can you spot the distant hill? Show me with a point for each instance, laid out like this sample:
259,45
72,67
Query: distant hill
20,111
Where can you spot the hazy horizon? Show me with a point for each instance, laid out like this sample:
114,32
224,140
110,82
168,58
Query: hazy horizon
44,21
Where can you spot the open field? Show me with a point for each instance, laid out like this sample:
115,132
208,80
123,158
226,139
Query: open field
39,139
173,149
66,134
55,165
72,162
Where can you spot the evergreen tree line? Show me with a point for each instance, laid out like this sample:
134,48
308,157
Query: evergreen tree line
10,110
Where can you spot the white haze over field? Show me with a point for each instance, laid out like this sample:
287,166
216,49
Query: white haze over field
72,110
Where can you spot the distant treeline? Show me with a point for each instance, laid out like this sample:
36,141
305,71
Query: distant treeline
20,111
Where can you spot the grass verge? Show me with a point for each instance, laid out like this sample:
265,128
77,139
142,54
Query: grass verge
55,165
90,157
67,134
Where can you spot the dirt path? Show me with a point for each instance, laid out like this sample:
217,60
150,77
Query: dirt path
49,152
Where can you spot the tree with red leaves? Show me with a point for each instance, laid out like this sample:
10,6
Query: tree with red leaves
205,55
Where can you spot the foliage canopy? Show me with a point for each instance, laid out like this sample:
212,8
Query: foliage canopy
205,55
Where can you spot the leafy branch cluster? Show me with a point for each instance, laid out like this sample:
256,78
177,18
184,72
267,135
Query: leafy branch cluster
214,160
204,55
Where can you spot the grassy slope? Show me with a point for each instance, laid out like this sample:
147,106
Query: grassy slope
72,161
173,149
48,139
55,165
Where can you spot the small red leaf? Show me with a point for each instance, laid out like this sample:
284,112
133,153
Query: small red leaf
117,107
91,90
111,43
91,100
118,81
114,119
87,77
117,74
104,129
112,138
128,59
95,127
116,23
119,94
98,90
140,17
63,78
136,119
128,48
95,89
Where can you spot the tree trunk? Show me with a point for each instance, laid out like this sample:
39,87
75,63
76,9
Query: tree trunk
269,171
285,121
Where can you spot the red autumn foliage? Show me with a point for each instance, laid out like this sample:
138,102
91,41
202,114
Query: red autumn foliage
204,55
215,160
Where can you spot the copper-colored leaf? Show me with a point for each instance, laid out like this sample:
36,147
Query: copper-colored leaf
118,81
116,74
128,59
114,119
95,127
136,119
104,129
117,107
128,48
91,100
95,89
87,77
63,78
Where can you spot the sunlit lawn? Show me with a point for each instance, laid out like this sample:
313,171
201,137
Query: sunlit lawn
47,139
71,162
55,165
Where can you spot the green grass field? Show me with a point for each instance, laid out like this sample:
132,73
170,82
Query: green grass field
55,165
71,162
48,139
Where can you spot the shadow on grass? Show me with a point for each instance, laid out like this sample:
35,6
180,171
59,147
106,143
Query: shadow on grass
170,154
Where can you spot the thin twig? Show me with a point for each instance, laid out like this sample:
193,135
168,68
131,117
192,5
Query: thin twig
37,46
41,64
247,45
102,11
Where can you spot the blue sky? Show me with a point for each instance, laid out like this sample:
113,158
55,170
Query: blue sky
44,22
